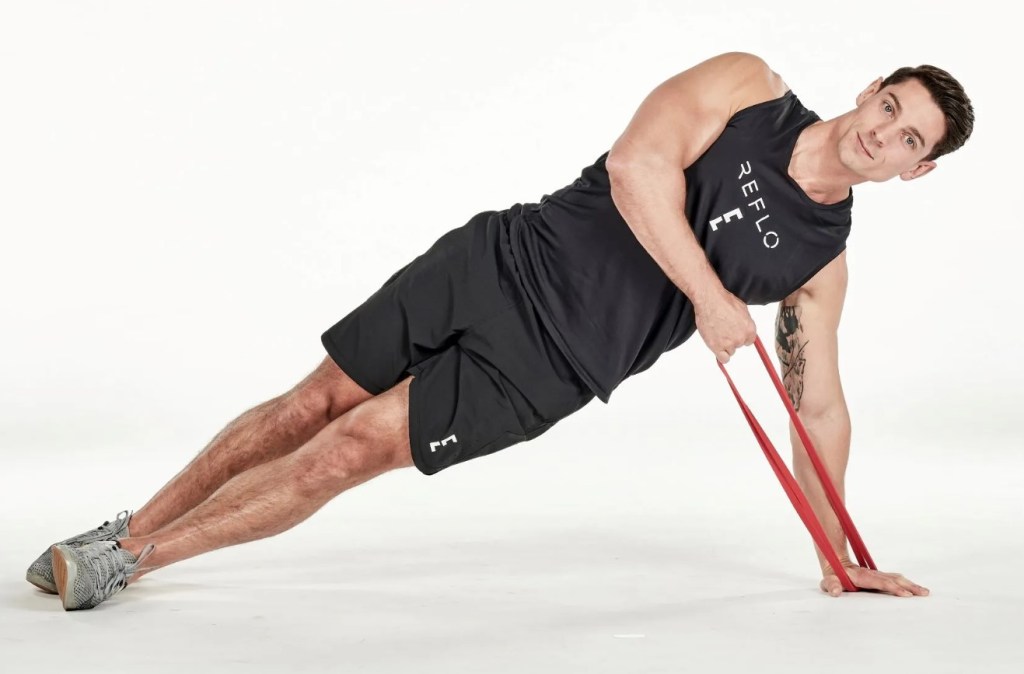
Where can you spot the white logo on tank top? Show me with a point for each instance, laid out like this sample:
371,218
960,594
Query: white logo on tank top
770,239
442,443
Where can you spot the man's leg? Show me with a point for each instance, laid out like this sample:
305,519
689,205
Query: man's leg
267,432
368,440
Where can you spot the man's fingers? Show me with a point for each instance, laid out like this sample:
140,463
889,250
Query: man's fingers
899,586
908,585
876,580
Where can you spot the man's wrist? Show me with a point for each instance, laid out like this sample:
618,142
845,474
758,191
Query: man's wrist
706,290
826,568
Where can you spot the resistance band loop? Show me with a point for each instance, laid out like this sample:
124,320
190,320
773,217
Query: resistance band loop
789,484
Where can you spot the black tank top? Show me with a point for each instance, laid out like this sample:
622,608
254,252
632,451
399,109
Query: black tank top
606,302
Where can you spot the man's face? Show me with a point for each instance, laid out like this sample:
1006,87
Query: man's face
892,131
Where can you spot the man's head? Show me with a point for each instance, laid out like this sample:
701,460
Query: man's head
904,122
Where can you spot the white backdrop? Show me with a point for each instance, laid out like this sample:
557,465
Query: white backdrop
191,192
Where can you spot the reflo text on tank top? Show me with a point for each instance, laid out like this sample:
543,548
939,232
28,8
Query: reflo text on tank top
747,189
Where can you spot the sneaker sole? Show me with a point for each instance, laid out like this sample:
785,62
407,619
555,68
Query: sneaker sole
65,572
42,583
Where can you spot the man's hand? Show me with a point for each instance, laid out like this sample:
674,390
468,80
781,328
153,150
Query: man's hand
724,323
867,579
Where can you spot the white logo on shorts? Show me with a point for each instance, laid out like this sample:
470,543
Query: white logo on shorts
442,443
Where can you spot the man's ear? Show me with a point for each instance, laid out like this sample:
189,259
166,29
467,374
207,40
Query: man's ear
869,92
919,170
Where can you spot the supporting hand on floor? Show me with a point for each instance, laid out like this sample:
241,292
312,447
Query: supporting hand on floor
867,579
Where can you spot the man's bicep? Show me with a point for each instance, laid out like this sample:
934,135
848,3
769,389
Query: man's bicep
806,341
683,116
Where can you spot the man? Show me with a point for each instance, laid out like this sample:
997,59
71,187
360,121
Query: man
723,191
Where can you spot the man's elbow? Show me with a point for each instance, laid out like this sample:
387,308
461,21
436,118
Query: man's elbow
826,412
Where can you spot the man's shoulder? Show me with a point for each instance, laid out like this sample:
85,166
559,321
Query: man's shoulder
684,115
758,83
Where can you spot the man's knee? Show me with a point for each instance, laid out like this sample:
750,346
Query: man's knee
373,436
381,432
328,392
349,452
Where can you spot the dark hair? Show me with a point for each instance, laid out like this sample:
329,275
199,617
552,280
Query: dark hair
951,99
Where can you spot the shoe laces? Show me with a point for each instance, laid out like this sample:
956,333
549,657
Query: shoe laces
121,517
111,566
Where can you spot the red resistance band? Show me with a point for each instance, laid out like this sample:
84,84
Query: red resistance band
796,495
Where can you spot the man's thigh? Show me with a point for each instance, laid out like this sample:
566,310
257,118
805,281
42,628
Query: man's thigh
497,387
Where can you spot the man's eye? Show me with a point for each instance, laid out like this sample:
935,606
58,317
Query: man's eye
888,108
912,141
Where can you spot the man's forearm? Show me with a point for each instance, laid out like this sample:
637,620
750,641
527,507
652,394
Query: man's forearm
651,197
830,434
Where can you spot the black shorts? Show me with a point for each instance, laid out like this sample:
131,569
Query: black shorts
487,374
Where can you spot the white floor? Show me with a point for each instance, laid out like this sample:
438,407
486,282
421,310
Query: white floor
190,196
557,556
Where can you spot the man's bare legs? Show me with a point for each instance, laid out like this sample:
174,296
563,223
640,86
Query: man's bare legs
368,440
265,433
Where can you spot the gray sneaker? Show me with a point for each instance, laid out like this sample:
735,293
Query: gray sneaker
40,573
89,574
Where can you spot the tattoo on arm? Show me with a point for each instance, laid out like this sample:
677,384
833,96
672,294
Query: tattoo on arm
789,345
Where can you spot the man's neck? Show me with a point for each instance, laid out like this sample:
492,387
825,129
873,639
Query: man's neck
815,164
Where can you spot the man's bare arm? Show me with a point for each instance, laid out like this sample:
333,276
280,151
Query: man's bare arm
674,126
806,342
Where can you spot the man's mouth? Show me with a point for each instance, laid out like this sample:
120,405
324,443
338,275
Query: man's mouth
863,147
